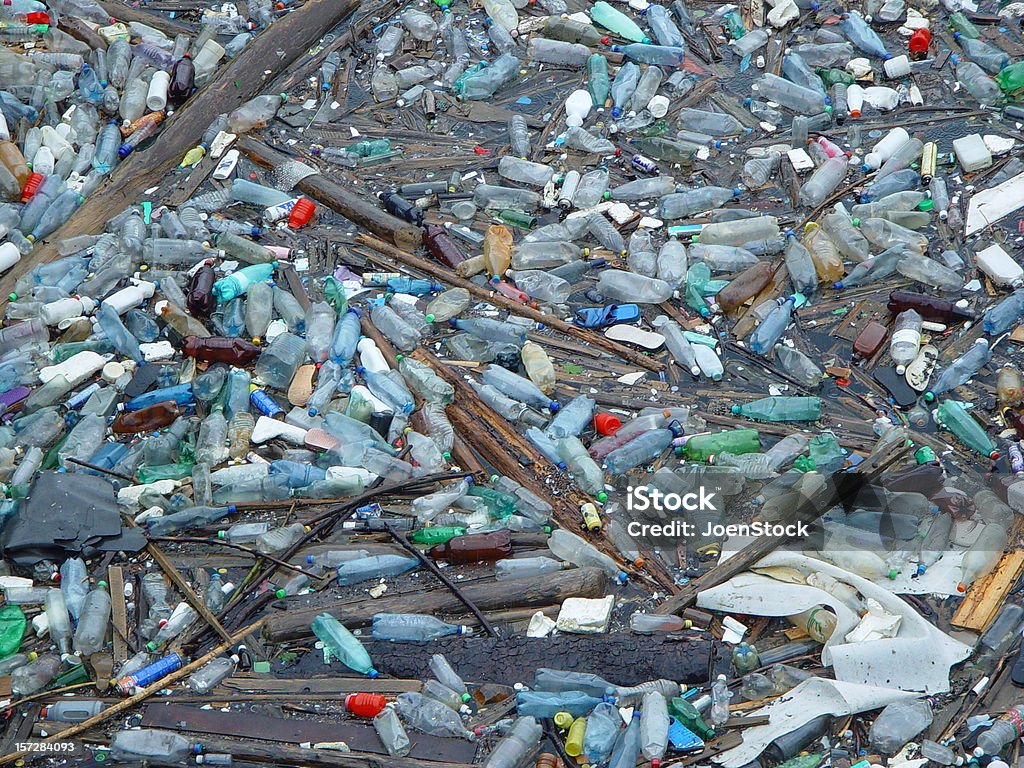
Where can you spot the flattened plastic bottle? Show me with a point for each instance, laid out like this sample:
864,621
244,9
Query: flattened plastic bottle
430,716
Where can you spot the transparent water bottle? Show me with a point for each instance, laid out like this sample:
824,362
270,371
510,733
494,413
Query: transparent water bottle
91,633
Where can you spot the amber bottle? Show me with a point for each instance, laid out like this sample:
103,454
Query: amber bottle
183,81
217,349
474,548
146,419
200,299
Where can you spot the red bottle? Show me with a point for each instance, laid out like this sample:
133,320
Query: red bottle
146,419
200,299
919,43
365,704
31,186
301,213
183,81
217,349
474,548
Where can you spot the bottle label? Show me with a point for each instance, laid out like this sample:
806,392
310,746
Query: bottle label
280,211
908,335
1015,718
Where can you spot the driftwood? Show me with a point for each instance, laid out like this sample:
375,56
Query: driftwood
294,623
621,658
250,751
352,207
236,82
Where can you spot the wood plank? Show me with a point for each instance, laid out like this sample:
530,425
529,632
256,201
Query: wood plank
305,685
118,611
986,595
235,83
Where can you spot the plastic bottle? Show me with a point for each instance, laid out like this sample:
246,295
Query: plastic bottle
208,677
35,675
342,645
720,695
72,711
518,745
413,627
768,333
960,370
898,723
982,556
392,733
151,745
255,113
58,621
90,635
571,548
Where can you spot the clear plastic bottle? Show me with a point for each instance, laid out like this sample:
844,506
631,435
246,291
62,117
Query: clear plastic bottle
57,620
90,635
151,745
720,695
255,113
517,746
208,677
392,733
898,723
1003,731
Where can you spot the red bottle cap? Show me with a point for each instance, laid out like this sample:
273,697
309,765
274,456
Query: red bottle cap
606,424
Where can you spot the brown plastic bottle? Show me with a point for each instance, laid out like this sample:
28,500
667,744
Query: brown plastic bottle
441,246
928,307
745,286
217,349
474,548
200,299
146,419
869,341
11,156
183,81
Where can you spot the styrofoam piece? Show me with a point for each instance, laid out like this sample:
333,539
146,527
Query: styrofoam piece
584,615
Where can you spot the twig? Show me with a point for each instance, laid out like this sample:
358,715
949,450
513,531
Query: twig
232,545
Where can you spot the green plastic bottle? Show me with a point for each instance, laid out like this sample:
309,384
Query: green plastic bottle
238,282
598,83
954,417
834,75
342,645
824,449
687,714
498,504
803,761
735,441
697,276
12,630
164,472
436,534
781,409
617,22
370,147
1011,78
733,24
964,26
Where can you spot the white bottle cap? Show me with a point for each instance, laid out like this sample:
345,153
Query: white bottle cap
112,371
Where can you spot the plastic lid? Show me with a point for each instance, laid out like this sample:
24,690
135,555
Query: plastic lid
929,396
232,508
926,205
554,406
373,673
736,409
602,496
280,594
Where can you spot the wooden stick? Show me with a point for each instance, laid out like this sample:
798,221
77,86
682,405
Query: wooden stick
439,273
196,601
128,13
144,694
352,207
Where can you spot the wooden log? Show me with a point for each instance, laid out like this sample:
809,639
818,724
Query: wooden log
443,274
250,751
234,84
352,207
128,14
293,624
621,658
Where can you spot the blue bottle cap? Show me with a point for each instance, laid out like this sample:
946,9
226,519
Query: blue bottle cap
309,559
616,112
373,673
561,465
232,509
554,406
837,286
622,578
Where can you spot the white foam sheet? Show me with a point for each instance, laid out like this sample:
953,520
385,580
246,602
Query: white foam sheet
990,205
811,699
896,663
